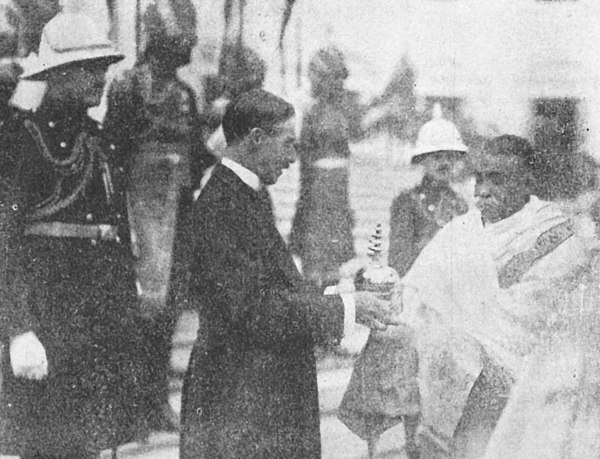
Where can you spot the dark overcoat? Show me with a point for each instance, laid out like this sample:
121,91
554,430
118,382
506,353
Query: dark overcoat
77,294
251,387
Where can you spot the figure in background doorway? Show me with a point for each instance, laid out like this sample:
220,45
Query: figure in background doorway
153,113
321,233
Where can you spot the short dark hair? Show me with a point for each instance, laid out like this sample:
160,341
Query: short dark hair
254,109
512,145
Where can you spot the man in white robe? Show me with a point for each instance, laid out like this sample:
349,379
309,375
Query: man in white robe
479,296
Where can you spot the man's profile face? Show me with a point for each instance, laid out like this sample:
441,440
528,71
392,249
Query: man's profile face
276,152
501,187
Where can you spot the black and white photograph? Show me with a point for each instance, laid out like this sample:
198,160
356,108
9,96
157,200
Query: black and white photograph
299,229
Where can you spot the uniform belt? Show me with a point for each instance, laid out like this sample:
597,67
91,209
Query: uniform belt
60,229
331,163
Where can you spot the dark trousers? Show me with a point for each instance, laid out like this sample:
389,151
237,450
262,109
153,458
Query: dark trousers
158,334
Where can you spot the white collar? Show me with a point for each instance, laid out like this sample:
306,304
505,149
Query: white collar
245,175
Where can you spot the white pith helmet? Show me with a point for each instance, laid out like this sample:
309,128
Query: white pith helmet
438,134
70,37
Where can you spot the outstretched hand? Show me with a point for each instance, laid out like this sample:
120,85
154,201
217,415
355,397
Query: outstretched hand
373,312
28,356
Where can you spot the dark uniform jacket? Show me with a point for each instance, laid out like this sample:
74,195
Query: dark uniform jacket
251,387
71,282
416,215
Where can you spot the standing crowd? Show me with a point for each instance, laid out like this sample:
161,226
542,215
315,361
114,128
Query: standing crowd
486,350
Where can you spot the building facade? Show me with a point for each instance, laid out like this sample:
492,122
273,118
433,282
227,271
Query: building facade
501,63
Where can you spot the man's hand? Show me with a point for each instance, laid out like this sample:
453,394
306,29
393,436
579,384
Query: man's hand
28,357
373,312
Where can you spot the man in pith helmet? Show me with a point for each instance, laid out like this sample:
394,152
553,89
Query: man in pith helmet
68,302
417,214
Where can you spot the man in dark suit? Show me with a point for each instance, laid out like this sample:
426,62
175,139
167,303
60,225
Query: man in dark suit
251,387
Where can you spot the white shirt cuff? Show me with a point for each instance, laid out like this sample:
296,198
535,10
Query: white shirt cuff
349,313
349,308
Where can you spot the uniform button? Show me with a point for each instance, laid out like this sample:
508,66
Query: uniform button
121,169
421,196
113,146
94,242
89,217
52,124
430,207
63,145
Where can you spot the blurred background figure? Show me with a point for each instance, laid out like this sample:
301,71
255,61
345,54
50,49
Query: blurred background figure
394,111
21,24
417,214
241,69
564,169
321,234
152,118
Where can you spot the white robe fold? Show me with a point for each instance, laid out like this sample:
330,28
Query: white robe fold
461,315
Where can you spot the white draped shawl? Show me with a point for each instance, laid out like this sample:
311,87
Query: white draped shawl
461,315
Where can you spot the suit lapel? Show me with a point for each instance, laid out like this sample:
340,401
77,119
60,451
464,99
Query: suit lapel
261,222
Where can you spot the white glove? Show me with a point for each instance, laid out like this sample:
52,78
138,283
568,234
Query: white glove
28,356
